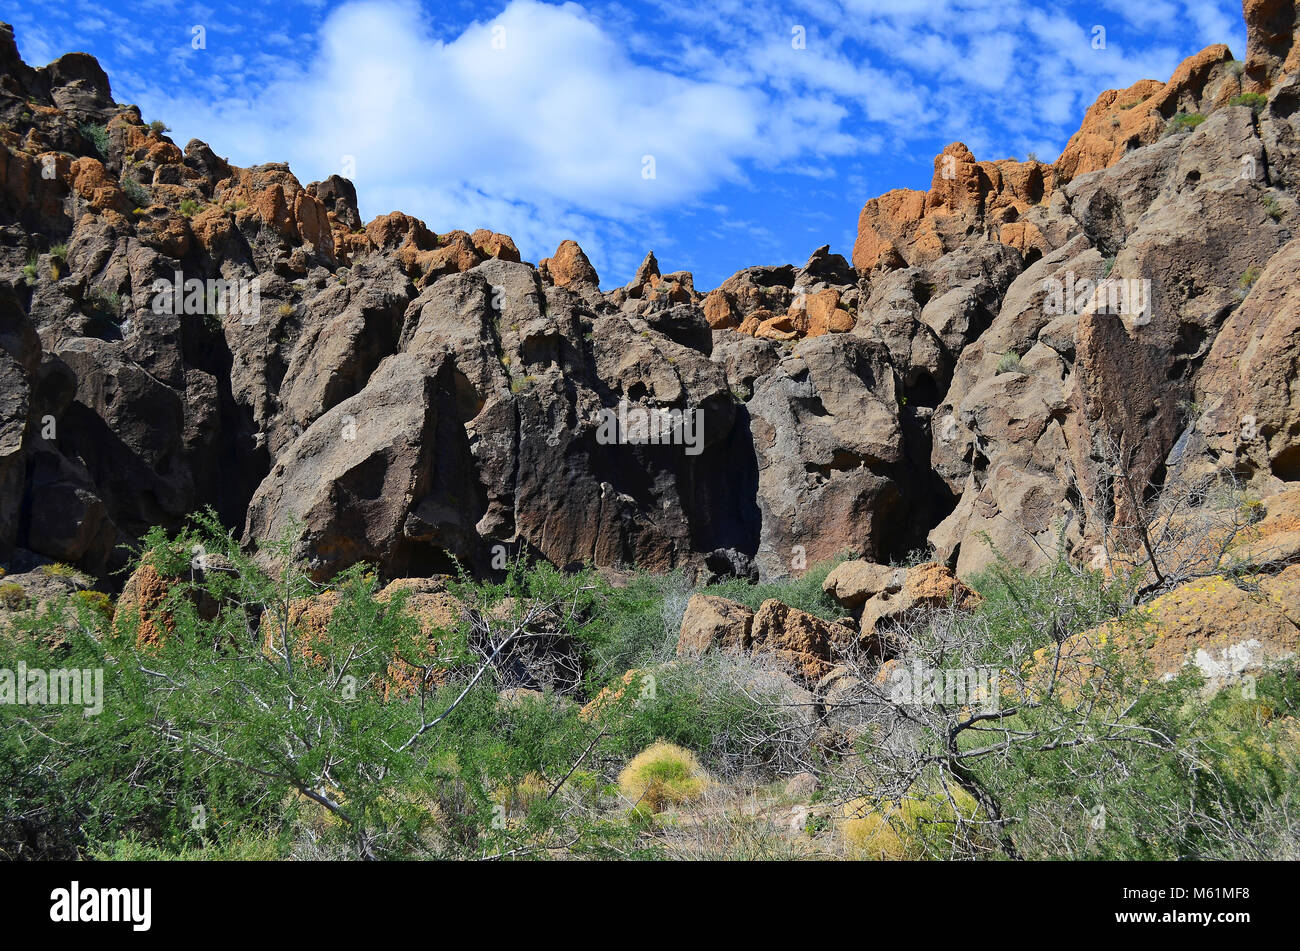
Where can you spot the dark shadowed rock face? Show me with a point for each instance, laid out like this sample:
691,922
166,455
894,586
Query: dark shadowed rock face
380,392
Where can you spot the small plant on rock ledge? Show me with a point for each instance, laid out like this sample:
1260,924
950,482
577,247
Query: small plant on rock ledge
97,135
1247,279
137,193
1184,122
1254,100
106,304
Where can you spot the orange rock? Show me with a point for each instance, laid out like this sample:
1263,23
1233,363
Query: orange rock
141,602
493,245
456,253
164,230
779,327
397,229
1271,47
718,310
1023,236
714,622
439,615
312,223
570,267
925,587
801,640
908,227
911,227
91,181
1211,623
272,196
609,697
437,612
820,313
212,227
1121,120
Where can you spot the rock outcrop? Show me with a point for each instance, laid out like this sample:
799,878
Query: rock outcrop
177,332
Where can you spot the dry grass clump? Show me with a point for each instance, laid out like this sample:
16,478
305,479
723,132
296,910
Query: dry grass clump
663,775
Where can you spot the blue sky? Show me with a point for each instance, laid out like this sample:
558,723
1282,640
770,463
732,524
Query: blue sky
769,123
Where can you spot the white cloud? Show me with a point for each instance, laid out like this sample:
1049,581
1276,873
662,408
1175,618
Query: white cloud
554,126
545,138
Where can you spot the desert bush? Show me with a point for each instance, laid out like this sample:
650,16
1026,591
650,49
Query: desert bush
12,596
106,304
284,751
59,570
733,710
918,825
662,775
1100,759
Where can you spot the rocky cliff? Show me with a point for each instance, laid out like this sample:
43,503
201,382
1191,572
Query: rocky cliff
177,332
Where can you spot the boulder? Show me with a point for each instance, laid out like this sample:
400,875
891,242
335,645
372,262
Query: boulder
852,583
711,622
569,267
926,587
802,641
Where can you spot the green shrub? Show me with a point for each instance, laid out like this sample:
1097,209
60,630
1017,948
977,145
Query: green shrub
106,304
13,596
97,135
1256,101
731,709
158,127
209,722
1009,362
1184,122
189,207
96,601
137,194
920,824
59,570
238,848
519,384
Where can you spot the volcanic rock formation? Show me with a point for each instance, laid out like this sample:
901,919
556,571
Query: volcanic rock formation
405,397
